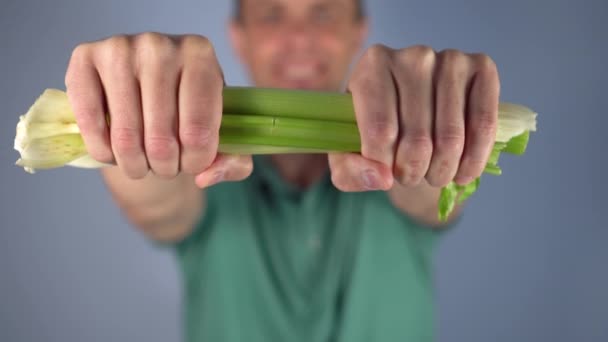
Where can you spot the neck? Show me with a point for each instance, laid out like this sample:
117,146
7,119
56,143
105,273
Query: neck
302,170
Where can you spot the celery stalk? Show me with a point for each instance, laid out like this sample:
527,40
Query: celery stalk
303,104
256,121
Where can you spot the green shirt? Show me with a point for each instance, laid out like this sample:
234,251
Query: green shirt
272,263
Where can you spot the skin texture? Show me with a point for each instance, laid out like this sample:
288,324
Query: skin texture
425,117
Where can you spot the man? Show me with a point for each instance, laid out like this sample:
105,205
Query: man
302,247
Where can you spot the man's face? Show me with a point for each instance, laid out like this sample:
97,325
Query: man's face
305,44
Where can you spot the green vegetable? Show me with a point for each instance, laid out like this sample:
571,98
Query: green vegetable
453,194
257,121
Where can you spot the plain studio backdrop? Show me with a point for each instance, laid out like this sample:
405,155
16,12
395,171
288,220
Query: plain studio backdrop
528,261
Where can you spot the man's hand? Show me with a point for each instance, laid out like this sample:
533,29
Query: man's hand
422,116
163,95
164,98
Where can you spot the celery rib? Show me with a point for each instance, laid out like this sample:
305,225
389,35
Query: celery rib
257,121
304,104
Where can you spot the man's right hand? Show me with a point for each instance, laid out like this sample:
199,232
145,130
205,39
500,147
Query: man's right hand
163,95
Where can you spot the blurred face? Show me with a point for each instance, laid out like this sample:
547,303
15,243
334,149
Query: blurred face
304,44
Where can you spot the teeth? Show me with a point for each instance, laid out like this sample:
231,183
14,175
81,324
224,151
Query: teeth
299,71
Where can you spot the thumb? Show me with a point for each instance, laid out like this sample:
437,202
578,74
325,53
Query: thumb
225,168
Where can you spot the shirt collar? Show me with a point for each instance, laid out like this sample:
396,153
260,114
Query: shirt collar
266,175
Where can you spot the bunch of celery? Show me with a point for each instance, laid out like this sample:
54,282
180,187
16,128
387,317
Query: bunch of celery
256,121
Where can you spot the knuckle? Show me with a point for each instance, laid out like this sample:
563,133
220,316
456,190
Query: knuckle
381,133
118,47
417,144
414,167
486,68
153,39
161,147
414,154
115,53
195,40
452,56
422,51
410,172
243,167
365,78
485,64
454,78
247,168
80,56
365,82
339,181
156,47
472,166
239,172
439,175
450,139
376,54
454,68
196,136
473,162
89,124
126,141
102,155
210,78
81,52
484,125
419,59
196,47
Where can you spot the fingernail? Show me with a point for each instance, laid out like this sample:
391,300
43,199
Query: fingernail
371,181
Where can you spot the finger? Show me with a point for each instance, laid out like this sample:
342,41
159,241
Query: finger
352,172
200,106
449,132
158,76
225,168
124,106
375,103
86,96
481,121
415,84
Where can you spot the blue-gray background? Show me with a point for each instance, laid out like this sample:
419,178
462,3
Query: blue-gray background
529,261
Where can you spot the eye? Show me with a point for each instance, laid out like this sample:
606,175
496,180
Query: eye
322,15
271,16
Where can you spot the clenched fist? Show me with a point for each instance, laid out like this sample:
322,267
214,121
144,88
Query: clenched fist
422,115
163,95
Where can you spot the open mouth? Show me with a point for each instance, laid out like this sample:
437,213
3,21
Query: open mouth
300,75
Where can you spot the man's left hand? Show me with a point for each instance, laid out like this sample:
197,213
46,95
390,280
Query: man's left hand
422,116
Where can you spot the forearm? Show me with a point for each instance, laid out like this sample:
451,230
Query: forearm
420,203
163,209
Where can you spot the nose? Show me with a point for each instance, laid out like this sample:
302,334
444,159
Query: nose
300,35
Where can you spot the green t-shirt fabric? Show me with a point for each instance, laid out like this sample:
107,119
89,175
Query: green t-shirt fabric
270,262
